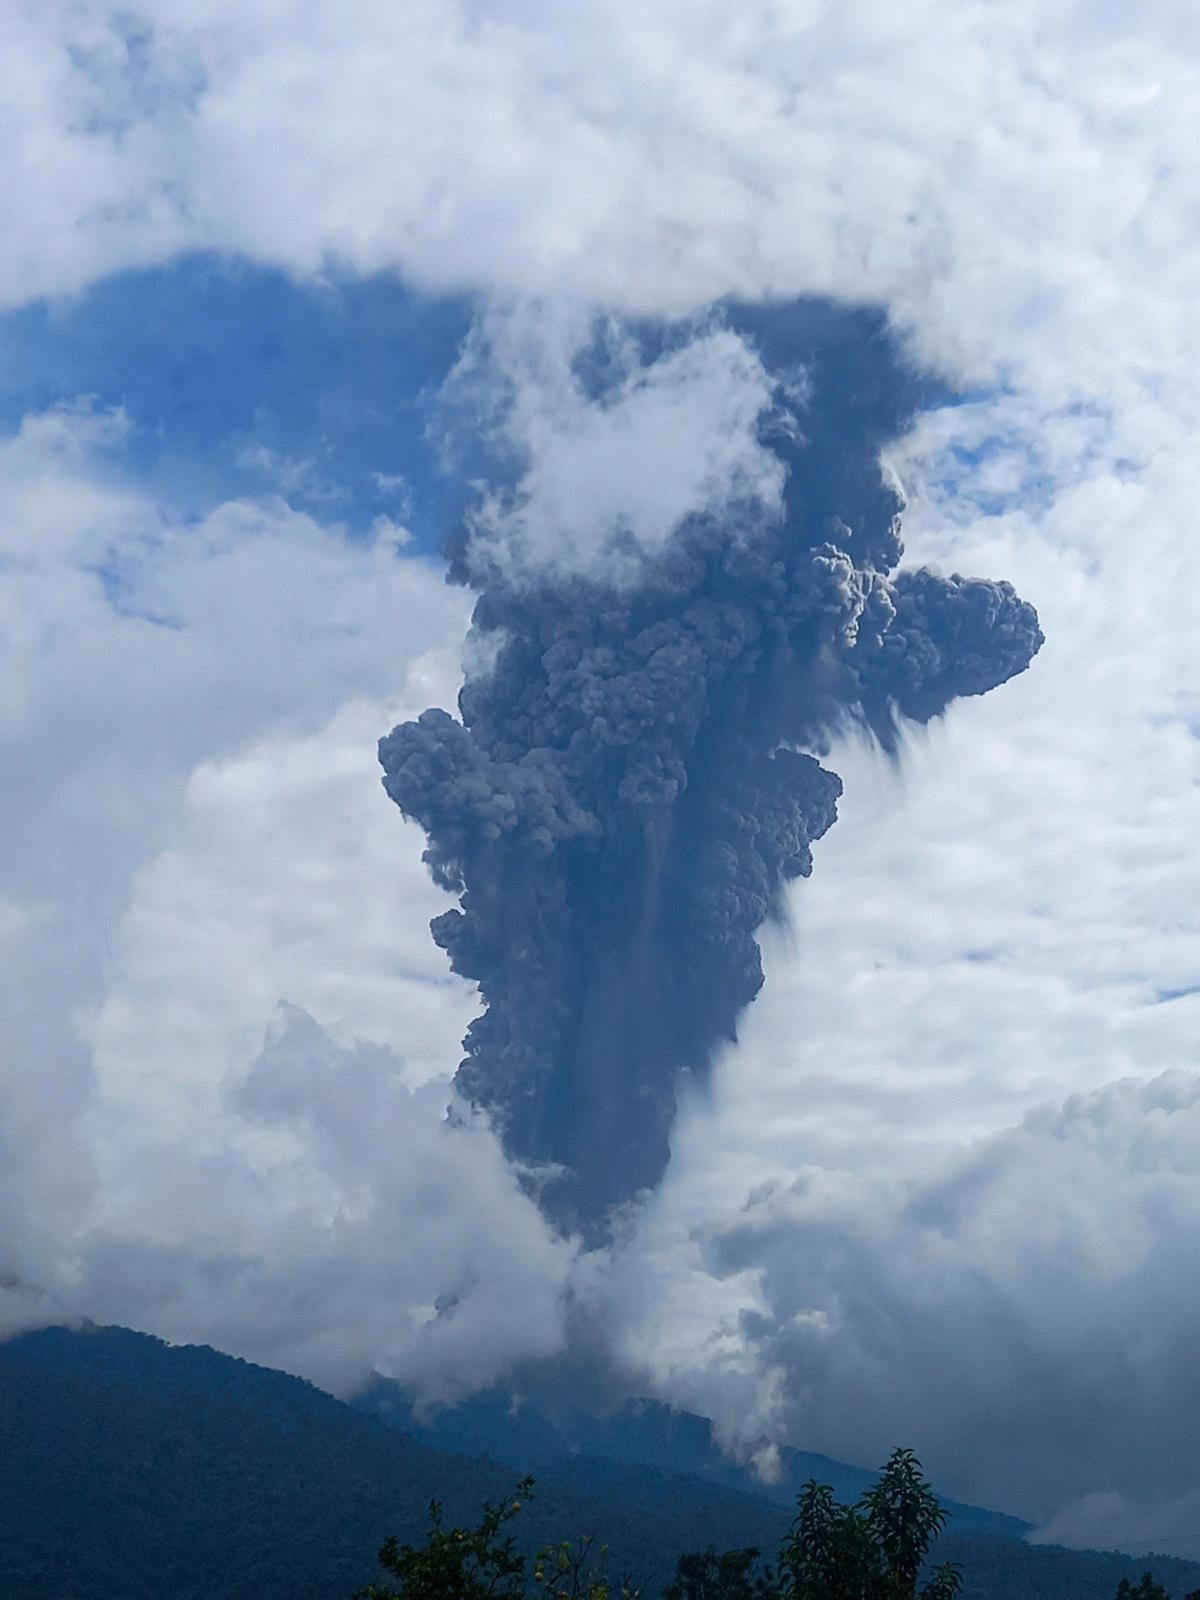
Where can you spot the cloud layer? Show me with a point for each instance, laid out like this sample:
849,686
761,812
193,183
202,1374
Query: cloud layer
193,832
167,881
1026,1297
1022,158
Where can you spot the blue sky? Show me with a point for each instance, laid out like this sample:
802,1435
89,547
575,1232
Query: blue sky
295,284
238,379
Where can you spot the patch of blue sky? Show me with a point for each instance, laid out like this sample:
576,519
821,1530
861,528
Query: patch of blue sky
1002,459
1163,997
238,380
996,476
120,590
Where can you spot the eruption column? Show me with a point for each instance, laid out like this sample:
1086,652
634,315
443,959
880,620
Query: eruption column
628,789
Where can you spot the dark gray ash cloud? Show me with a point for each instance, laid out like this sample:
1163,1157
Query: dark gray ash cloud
629,788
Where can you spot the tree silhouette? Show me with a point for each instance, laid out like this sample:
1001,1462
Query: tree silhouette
481,1563
874,1550
870,1551
1148,1588
485,1563
731,1575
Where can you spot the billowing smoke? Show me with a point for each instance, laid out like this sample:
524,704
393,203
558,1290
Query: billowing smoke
630,789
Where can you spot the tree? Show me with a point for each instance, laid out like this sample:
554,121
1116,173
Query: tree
870,1551
874,1550
578,1570
731,1575
484,1563
480,1563
1148,1588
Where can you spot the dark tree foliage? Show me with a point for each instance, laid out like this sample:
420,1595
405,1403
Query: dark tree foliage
1147,1588
480,1563
486,1563
874,1550
730,1575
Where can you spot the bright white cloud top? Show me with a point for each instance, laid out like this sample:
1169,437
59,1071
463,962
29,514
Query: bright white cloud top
956,1173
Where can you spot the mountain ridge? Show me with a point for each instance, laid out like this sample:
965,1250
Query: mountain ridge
528,1434
137,1470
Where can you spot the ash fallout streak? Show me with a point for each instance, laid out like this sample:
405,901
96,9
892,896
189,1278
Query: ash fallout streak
629,789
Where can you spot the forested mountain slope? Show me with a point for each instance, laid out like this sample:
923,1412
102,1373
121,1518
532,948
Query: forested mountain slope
131,1470
537,1436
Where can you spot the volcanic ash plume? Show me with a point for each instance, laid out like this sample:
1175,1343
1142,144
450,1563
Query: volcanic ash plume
628,791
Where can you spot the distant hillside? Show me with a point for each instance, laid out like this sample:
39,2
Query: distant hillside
535,1437
131,1470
